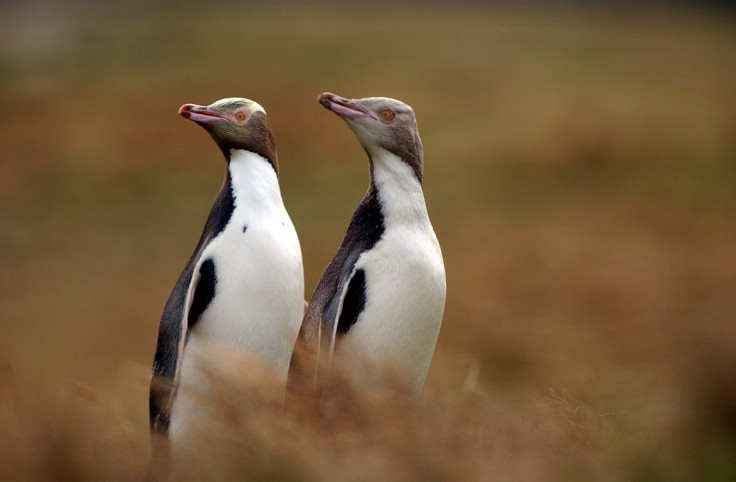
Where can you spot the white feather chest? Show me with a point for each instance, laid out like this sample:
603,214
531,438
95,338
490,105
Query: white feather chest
405,283
258,302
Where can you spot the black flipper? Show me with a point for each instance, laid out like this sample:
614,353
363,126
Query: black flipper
353,302
339,297
185,304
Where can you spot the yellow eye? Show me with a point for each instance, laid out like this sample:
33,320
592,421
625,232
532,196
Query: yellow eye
387,115
241,116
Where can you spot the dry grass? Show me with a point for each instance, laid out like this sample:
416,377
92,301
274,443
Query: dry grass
580,175
359,434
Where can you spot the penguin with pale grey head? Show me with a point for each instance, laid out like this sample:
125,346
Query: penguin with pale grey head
243,287
382,297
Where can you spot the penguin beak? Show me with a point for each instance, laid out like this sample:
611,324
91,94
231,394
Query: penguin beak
200,114
345,108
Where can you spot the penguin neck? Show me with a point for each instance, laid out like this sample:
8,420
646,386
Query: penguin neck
398,188
253,181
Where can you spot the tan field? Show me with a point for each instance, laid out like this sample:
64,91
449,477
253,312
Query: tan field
580,173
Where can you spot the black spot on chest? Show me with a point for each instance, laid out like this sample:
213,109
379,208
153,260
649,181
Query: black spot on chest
245,228
203,293
353,303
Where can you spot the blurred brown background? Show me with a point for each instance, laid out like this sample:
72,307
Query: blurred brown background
580,173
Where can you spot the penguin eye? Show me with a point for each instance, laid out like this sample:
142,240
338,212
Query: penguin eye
387,115
240,116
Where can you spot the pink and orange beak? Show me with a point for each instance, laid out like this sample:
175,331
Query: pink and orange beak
200,114
343,107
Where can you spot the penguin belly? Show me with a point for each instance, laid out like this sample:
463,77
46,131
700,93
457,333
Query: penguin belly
255,313
405,291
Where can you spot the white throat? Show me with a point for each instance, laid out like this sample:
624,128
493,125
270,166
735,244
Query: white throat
399,190
254,181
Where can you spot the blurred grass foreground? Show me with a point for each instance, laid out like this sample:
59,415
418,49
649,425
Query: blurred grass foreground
580,174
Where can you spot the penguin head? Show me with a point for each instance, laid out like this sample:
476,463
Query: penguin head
235,123
380,122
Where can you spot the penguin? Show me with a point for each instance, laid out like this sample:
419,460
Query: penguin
243,287
382,297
